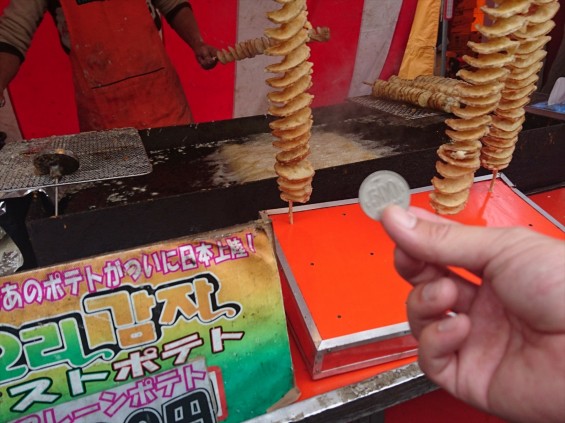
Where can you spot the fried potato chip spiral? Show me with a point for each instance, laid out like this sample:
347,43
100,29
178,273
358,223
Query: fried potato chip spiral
264,45
480,94
290,100
425,91
520,83
501,79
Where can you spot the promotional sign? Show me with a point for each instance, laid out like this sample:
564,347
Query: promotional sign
182,331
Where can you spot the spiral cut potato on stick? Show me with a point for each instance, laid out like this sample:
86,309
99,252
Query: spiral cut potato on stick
429,91
493,94
256,46
290,101
520,83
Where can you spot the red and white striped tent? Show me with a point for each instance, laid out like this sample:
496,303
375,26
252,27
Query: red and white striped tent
368,39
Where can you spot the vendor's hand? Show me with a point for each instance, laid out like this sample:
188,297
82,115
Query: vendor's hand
206,55
504,351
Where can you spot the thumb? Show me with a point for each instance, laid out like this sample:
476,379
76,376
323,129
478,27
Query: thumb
438,241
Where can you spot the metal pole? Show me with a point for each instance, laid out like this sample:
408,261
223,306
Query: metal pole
57,197
443,38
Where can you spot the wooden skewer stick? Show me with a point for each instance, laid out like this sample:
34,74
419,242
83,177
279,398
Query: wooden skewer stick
290,216
370,84
494,175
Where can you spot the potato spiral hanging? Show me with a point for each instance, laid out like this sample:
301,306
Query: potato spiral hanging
256,46
479,94
495,95
499,145
290,101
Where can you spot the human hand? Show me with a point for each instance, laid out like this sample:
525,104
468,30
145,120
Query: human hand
206,55
504,350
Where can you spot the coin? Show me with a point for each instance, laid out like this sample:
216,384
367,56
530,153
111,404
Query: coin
381,189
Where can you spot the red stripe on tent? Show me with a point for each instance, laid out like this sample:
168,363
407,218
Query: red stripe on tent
334,61
210,93
42,93
399,39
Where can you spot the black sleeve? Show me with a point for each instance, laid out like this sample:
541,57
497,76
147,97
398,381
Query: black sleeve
9,48
171,15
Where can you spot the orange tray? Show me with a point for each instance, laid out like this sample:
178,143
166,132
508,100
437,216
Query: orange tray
343,297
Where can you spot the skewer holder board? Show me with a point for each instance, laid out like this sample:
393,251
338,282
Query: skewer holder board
344,300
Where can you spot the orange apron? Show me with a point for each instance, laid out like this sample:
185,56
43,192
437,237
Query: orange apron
122,74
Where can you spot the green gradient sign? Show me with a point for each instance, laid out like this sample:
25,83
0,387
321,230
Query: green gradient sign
180,331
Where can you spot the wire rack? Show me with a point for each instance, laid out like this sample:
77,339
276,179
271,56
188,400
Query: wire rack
112,154
403,110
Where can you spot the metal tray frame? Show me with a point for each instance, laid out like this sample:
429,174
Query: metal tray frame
315,350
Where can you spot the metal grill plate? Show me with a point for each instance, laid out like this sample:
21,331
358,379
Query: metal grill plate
403,110
102,155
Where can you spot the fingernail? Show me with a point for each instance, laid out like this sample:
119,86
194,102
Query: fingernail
447,324
429,292
404,218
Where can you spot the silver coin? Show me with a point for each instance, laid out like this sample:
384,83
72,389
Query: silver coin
381,189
